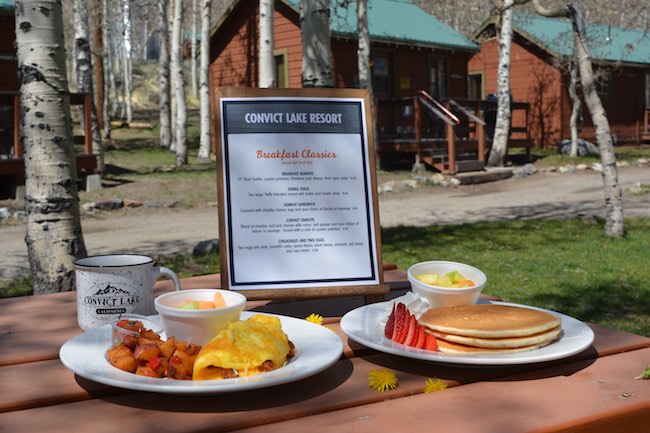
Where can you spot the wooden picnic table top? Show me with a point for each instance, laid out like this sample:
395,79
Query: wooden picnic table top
593,391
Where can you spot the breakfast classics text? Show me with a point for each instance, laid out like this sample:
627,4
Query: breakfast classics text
285,154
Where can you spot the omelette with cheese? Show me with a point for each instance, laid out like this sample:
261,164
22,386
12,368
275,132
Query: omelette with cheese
245,348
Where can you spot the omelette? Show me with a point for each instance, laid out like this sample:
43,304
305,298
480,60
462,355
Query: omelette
245,348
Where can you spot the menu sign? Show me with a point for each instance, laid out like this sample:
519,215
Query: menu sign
297,191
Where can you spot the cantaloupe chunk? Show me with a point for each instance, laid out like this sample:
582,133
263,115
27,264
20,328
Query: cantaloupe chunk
205,305
219,302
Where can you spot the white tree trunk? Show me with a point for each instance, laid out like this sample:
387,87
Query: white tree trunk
54,238
126,62
204,84
499,148
110,68
575,108
316,53
614,219
163,76
363,50
179,86
84,74
266,58
193,80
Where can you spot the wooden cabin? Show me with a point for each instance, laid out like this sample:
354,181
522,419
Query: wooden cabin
12,166
541,47
415,59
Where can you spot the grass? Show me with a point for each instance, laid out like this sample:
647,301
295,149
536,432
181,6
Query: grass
562,265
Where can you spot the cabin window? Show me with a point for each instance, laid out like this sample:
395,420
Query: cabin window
281,68
381,76
475,86
438,77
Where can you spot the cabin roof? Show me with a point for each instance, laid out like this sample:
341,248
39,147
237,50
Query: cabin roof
393,21
605,43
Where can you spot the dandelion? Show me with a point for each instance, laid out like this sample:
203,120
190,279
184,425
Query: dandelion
315,318
382,380
433,385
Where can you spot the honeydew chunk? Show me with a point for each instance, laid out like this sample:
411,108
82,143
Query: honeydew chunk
428,278
190,305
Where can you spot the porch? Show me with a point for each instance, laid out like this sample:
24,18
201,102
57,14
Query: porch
12,162
453,136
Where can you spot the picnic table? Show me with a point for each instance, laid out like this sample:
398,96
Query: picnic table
592,391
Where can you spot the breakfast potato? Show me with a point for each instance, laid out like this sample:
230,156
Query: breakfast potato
122,358
151,356
145,352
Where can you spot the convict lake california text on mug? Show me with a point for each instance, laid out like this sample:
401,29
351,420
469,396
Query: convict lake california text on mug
109,286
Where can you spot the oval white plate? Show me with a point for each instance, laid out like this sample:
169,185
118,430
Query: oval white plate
363,326
317,348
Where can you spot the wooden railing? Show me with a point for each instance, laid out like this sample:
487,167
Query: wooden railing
439,133
12,165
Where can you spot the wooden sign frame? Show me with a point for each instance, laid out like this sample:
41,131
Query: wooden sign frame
297,190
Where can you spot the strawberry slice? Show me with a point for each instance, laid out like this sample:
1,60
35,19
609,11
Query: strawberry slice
421,337
430,342
400,314
390,324
406,318
412,333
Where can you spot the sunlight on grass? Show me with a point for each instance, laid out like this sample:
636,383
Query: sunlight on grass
563,265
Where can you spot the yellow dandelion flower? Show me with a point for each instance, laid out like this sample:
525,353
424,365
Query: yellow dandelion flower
382,380
433,385
315,318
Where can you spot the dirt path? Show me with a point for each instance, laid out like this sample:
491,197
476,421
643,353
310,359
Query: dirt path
166,231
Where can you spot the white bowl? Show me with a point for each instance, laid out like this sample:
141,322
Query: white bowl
197,326
446,296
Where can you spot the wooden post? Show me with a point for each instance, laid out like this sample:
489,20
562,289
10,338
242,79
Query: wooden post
451,149
480,135
88,125
417,117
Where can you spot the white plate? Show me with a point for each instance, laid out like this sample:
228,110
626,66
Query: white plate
363,326
317,348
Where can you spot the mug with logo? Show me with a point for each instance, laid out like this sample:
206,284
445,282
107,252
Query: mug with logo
109,286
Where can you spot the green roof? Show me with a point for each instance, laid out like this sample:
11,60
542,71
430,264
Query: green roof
605,43
7,5
395,21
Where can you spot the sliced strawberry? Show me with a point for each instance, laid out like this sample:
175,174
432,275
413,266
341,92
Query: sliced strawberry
405,319
400,314
390,324
430,342
421,337
412,333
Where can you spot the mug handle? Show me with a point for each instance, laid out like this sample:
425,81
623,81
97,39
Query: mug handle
171,274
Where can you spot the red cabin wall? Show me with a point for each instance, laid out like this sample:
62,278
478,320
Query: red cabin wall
535,81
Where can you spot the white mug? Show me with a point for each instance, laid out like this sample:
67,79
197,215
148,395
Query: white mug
110,286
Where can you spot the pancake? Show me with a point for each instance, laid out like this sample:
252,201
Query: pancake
245,348
488,321
542,338
461,349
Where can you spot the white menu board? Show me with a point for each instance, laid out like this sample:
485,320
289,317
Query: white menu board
298,193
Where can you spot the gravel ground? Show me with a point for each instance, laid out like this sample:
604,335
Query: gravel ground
163,231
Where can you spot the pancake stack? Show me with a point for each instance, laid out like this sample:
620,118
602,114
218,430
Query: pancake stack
490,328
